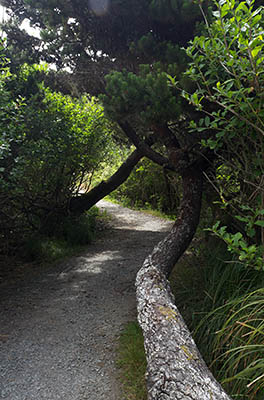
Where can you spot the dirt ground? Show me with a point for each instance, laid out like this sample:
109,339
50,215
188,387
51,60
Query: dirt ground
59,326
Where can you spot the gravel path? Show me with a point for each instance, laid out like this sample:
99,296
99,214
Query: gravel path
59,327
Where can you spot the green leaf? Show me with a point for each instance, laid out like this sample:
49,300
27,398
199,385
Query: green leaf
260,223
251,232
207,121
224,10
237,237
256,19
255,51
242,7
242,219
260,61
195,99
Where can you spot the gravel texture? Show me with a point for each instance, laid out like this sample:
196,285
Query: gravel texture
59,326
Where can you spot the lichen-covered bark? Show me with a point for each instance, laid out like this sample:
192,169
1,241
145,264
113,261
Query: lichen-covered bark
176,370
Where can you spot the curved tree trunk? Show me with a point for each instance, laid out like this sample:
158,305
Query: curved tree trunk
84,202
176,370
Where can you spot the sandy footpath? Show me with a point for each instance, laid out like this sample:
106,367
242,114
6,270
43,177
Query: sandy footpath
59,327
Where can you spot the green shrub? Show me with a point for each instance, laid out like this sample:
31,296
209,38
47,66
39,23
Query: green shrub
49,144
231,124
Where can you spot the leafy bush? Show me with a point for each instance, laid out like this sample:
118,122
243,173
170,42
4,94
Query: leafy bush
50,143
250,255
227,66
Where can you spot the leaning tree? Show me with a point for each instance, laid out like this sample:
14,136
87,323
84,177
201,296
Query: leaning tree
132,57
124,54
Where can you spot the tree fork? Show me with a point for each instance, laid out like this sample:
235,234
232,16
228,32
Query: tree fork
175,370
144,146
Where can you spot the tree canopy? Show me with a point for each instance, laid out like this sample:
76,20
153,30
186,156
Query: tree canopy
93,38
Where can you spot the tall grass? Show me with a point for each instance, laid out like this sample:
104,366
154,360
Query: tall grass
223,304
238,347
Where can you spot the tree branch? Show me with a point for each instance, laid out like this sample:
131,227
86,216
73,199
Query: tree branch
84,202
144,147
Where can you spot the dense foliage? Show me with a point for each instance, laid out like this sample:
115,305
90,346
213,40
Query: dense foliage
227,65
50,145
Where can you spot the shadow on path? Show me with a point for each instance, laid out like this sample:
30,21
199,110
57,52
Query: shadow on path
58,329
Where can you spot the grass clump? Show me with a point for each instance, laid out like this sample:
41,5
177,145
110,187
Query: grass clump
132,362
239,346
80,230
41,248
65,238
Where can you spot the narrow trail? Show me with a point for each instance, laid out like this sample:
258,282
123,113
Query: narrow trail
59,326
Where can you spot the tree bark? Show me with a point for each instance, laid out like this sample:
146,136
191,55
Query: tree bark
84,202
176,370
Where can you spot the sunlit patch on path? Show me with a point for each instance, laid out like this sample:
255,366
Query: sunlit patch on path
59,329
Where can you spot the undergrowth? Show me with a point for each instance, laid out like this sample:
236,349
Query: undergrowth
223,305
69,236
149,186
